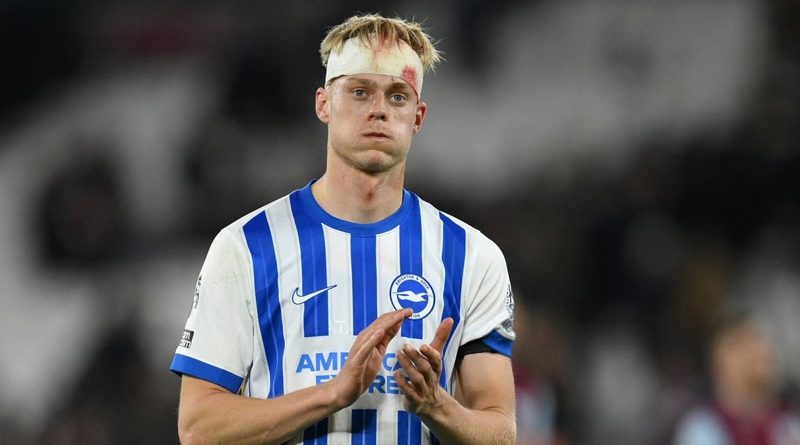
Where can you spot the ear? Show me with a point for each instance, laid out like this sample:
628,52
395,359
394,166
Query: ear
322,104
419,118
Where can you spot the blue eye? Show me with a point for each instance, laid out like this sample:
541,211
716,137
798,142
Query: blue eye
359,92
398,97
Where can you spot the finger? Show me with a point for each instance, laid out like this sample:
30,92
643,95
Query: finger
396,321
390,322
422,364
394,327
441,335
407,388
434,358
361,353
414,374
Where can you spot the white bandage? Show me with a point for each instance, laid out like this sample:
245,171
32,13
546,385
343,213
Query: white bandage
391,59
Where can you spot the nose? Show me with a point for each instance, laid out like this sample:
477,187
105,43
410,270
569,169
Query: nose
378,108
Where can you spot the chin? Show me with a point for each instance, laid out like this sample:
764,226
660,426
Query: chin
376,161
372,159
374,166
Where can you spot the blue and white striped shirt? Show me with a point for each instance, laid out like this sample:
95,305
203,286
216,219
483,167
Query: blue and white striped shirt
285,289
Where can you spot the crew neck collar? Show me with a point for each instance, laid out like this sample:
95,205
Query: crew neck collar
313,209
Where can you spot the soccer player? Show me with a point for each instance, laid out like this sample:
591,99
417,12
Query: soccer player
351,311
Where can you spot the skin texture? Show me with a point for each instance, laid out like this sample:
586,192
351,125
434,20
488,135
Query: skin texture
371,121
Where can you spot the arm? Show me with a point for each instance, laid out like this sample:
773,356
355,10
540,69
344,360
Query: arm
210,414
483,409
485,389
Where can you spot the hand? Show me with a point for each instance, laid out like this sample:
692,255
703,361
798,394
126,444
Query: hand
423,368
365,357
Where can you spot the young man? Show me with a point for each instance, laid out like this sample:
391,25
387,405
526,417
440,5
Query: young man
351,311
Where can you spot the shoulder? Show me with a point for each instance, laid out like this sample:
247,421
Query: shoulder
273,209
231,240
476,240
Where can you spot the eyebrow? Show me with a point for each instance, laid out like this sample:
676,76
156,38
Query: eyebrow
394,85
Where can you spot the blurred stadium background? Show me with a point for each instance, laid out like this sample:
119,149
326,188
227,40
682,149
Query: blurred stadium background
638,162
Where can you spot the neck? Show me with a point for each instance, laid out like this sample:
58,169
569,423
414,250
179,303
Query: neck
358,196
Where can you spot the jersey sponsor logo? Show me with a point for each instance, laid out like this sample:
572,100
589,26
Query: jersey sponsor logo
298,299
326,365
414,292
186,338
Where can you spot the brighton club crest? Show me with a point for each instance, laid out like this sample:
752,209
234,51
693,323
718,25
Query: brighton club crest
414,292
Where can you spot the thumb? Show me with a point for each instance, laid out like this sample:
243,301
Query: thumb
442,333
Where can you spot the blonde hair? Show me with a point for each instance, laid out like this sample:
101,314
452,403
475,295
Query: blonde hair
374,28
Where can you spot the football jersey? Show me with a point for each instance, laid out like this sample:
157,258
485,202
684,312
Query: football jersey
285,290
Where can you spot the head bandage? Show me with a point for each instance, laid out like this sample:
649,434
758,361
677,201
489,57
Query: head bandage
389,59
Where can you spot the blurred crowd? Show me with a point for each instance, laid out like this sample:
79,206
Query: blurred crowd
656,266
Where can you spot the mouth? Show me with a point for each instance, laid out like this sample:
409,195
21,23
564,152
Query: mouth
377,135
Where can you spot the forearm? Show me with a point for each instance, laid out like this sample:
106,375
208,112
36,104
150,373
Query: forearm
456,424
224,418
210,414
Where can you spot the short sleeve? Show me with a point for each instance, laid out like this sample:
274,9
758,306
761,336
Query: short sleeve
217,343
490,310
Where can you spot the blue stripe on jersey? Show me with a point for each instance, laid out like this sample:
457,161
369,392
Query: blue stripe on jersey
182,364
316,434
499,343
409,429
312,257
364,427
365,281
265,279
411,259
454,248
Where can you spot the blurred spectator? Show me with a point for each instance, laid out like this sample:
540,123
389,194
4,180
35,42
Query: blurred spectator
745,407
541,347
115,400
81,213
214,167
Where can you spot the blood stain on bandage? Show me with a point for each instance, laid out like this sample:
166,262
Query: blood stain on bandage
410,75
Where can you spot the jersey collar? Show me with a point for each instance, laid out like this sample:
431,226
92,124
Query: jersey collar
313,209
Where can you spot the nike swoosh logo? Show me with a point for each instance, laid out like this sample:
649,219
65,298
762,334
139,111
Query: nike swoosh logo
300,299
